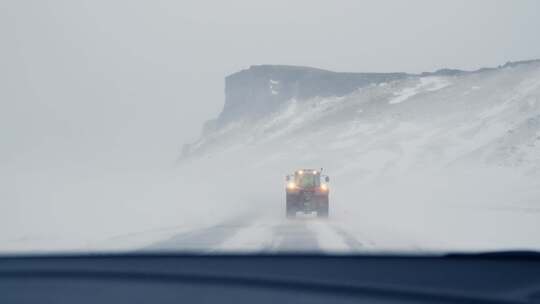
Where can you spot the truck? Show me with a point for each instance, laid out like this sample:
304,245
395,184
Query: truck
307,191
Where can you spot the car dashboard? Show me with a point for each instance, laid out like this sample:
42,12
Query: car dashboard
279,278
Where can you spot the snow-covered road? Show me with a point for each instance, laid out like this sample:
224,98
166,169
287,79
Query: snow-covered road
304,234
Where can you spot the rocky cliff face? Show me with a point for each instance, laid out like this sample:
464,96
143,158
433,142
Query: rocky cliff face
402,121
261,89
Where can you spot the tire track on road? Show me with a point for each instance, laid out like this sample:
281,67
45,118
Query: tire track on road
354,244
199,241
294,236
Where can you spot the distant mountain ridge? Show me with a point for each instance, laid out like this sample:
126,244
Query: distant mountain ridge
383,123
261,89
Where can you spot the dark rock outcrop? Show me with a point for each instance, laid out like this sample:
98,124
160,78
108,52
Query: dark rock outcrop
261,89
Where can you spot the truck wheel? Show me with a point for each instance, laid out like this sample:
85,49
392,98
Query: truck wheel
290,206
322,211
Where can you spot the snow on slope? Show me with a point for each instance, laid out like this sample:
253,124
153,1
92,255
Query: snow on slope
422,120
425,84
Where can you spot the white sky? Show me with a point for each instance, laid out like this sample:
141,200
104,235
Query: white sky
125,82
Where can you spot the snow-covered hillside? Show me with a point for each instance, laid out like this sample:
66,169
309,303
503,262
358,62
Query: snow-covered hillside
489,117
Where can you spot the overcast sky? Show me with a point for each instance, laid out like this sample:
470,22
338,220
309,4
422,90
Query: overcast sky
133,80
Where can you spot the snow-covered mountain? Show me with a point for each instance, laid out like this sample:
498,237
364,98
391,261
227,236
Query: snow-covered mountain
382,123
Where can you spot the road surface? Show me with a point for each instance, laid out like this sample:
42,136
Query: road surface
304,234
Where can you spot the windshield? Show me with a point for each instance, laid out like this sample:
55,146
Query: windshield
308,180
182,126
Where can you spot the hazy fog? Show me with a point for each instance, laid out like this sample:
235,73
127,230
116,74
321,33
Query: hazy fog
97,96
